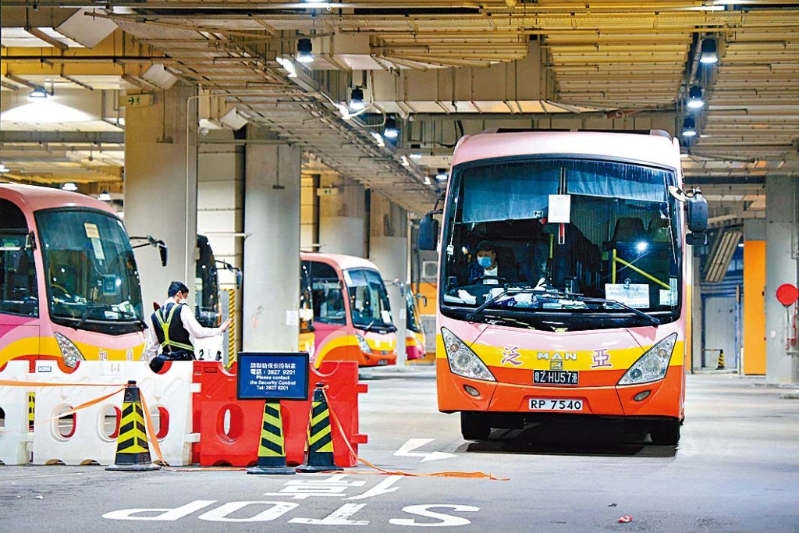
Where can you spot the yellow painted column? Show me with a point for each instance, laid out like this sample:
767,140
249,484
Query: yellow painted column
754,323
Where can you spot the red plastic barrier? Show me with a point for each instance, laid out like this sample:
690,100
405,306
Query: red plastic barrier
238,446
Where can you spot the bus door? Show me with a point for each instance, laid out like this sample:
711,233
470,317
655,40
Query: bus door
19,302
307,339
331,332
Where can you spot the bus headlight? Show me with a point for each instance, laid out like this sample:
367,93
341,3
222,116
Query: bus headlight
365,348
653,365
462,360
69,351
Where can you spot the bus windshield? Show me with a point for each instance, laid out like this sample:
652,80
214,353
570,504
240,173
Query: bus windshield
91,276
573,244
368,299
413,322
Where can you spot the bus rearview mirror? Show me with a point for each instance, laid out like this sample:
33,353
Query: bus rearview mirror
697,212
428,232
162,251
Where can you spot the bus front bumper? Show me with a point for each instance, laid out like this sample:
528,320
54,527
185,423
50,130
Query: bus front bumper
658,399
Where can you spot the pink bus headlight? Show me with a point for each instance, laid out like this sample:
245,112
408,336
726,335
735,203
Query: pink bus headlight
365,348
462,360
69,351
651,366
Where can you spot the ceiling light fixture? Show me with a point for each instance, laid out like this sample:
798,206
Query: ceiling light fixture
695,99
3,168
709,54
304,50
416,155
69,186
39,92
689,127
390,131
105,196
442,174
356,99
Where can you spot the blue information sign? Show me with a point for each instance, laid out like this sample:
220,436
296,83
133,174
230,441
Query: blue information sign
272,376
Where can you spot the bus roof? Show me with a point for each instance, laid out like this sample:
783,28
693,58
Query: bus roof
34,198
655,148
344,262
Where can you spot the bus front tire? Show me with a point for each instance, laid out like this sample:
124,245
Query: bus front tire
475,426
665,433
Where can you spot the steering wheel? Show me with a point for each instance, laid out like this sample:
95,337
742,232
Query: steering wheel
500,280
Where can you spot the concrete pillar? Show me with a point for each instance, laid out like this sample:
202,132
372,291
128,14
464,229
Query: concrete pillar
270,321
161,187
389,251
220,217
781,228
220,200
693,298
342,217
753,355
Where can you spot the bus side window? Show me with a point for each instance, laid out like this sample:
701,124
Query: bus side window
18,288
21,275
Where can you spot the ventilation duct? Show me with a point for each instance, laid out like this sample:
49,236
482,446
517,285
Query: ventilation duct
721,254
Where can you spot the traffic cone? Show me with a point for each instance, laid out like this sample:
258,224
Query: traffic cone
319,457
271,452
133,452
721,360
31,409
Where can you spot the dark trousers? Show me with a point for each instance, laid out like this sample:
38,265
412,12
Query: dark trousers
178,355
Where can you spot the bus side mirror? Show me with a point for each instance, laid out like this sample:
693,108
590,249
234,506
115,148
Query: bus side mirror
239,277
162,251
696,206
428,232
697,215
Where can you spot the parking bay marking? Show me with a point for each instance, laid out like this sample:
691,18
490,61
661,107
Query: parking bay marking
406,450
276,509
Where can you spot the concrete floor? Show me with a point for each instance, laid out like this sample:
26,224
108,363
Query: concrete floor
736,469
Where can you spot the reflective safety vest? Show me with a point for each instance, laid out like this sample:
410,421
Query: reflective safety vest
169,329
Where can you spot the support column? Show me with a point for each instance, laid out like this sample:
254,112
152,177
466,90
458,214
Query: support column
161,187
342,215
389,251
270,320
220,217
753,355
781,367
694,339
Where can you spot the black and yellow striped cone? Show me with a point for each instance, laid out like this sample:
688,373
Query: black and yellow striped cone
133,452
31,409
271,452
721,360
319,457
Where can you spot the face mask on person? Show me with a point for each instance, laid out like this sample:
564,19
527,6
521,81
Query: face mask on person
484,261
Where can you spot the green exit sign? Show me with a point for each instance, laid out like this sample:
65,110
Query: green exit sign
135,100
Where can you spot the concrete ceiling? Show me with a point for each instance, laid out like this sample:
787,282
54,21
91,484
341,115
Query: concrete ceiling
441,69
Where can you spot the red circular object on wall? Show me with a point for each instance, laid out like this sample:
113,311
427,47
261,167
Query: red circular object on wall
787,294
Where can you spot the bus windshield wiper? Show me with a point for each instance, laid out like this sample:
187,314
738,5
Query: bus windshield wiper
109,307
494,299
89,308
655,321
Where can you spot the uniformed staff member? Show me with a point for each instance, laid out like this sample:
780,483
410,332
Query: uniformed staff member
172,326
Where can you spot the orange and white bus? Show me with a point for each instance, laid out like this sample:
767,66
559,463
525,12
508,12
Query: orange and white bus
69,286
579,310
414,334
352,316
